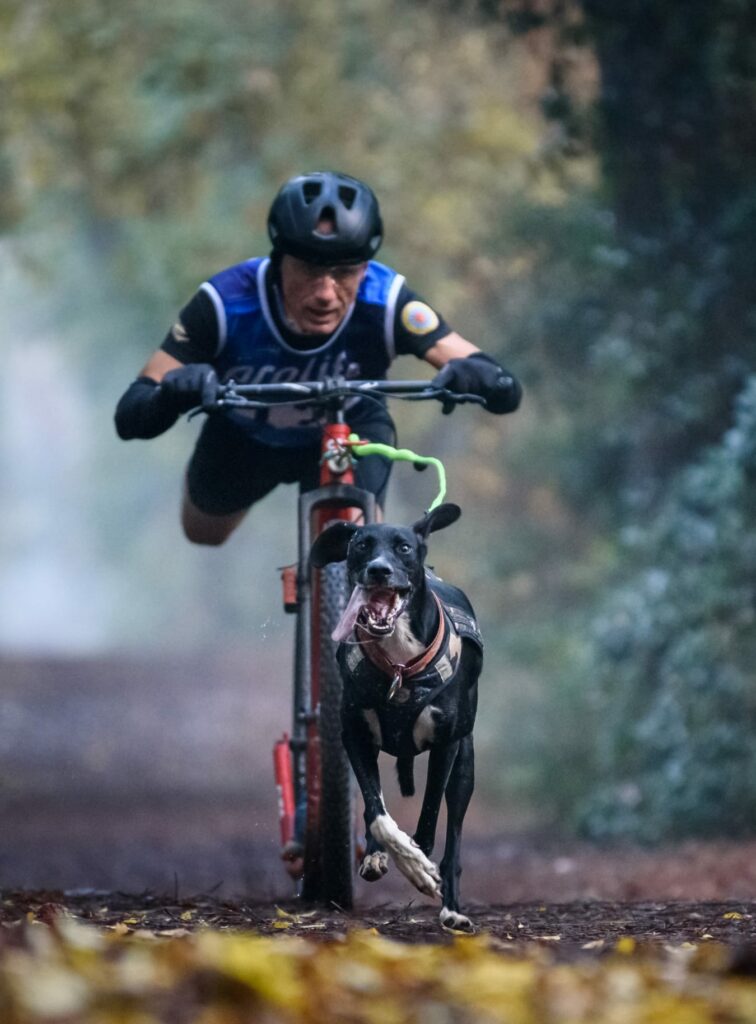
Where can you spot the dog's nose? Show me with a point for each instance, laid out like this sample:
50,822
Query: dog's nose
378,570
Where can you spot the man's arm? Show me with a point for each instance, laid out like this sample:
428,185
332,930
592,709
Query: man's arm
158,365
171,380
465,369
453,346
462,367
164,389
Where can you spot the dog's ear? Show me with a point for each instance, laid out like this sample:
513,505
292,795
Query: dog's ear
438,518
332,544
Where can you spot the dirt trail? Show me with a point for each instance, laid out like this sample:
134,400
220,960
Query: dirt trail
133,777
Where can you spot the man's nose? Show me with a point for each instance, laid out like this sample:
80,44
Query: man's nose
324,288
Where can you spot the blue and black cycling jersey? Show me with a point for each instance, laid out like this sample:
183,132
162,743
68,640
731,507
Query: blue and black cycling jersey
235,323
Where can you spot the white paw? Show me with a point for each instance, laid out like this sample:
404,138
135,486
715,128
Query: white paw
407,856
374,866
455,922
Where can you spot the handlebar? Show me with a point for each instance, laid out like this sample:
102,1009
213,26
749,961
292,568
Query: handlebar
327,392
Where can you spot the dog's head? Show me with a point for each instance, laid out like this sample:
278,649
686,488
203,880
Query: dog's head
385,566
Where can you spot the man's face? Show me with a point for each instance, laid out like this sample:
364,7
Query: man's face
315,298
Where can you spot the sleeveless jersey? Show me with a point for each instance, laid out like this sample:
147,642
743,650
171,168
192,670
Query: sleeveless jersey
252,350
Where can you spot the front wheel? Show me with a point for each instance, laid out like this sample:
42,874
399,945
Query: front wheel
329,870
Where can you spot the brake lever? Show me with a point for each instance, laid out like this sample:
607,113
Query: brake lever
451,399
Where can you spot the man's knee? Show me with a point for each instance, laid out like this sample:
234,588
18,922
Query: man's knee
202,528
202,535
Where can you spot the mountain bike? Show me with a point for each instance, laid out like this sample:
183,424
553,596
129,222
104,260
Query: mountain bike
312,773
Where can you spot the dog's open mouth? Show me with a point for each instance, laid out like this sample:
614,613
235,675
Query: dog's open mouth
381,610
376,609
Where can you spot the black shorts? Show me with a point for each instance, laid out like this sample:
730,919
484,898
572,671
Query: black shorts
229,471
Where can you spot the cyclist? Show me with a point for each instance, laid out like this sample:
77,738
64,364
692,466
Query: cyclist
319,306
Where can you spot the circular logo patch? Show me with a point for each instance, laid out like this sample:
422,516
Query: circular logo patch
179,332
419,318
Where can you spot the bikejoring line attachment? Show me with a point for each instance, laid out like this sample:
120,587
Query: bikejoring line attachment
362,448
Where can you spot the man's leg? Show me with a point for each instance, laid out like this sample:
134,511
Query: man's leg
204,528
229,472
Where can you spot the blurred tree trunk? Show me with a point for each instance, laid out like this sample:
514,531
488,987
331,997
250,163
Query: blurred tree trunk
662,122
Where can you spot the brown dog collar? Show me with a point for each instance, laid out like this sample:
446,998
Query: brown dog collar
396,672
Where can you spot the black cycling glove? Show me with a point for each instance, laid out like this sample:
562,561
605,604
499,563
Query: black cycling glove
181,389
479,374
148,408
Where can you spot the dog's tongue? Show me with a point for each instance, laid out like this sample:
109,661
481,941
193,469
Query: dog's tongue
347,621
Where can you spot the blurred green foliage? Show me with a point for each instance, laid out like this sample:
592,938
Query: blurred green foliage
573,185
674,655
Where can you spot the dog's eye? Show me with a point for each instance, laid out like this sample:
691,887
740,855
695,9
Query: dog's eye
404,548
360,545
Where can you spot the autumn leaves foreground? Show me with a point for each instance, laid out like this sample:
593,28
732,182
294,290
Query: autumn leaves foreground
61,971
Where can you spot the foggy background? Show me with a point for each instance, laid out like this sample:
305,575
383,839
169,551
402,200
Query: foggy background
571,185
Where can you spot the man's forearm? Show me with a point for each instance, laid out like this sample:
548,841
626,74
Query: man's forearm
141,413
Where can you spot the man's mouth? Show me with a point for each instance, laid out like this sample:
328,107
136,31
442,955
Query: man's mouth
321,316
374,609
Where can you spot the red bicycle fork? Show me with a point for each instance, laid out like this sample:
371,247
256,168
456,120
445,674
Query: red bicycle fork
296,759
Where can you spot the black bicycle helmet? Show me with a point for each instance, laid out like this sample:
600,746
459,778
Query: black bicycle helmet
306,200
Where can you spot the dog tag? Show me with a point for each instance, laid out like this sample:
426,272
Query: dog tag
396,684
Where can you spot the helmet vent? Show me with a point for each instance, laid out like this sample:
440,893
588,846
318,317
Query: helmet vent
311,190
347,195
326,222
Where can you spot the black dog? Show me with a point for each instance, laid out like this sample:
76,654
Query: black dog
410,656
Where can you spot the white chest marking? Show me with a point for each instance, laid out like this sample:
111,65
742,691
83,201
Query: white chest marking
402,646
424,729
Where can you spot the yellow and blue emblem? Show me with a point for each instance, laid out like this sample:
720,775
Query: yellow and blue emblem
419,318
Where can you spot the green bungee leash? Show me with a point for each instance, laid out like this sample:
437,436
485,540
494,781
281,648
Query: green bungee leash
360,447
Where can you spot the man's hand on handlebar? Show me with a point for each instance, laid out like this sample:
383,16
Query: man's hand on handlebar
189,386
479,374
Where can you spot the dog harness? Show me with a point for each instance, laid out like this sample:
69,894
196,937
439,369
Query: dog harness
425,676
442,663
413,686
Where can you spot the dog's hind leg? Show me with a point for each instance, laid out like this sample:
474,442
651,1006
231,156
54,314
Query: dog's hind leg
440,761
458,793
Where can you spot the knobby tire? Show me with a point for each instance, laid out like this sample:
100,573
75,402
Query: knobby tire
336,826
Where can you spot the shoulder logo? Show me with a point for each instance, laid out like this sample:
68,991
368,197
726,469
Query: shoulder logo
419,318
179,332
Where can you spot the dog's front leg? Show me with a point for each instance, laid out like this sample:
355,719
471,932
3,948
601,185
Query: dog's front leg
404,851
362,751
458,793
